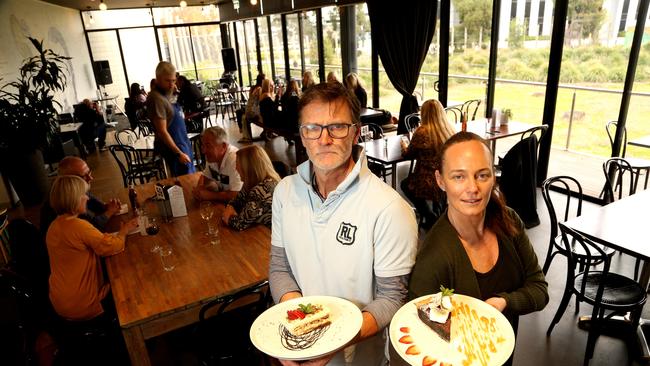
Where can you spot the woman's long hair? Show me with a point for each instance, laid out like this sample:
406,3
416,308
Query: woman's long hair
434,121
496,212
255,166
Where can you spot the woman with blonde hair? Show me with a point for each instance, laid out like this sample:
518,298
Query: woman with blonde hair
332,78
353,84
268,104
253,203
77,287
425,144
307,80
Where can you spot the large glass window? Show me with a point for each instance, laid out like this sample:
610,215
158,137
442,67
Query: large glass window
105,47
429,73
118,18
140,55
190,14
251,48
469,52
364,49
243,55
594,64
278,45
206,40
176,47
293,43
332,40
637,124
310,42
265,50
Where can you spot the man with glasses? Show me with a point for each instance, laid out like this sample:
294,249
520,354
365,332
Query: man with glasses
338,230
97,212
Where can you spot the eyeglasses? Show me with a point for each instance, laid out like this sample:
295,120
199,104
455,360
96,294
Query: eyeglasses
312,131
87,175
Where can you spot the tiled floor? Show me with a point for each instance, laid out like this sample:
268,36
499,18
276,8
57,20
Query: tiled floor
565,346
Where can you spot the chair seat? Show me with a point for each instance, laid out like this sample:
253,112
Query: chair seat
619,291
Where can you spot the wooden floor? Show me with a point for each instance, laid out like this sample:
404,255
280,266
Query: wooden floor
566,345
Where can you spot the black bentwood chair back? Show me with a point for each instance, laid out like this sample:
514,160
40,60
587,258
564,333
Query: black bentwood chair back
604,290
638,165
619,177
412,122
224,324
470,108
454,114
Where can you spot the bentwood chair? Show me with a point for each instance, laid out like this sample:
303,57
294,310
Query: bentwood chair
412,122
638,165
224,324
470,108
454,114
569,206
604,290
133,167
4,236
375,132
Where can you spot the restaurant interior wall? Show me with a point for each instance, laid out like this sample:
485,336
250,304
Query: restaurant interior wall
61,30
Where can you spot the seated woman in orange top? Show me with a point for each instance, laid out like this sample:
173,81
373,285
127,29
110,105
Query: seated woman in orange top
76,283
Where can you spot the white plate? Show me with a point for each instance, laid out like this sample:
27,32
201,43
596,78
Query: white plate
346,322
467,333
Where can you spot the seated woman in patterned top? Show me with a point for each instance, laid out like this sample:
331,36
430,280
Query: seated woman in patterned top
253,203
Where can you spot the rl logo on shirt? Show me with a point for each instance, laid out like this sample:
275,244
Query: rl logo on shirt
346,233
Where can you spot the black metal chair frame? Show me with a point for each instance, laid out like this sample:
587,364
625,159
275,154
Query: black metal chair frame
456,111
412,121
225,104
613,292
470,108
136,167
259,294
638,165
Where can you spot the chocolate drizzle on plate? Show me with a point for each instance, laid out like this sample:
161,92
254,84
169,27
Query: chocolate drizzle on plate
301,342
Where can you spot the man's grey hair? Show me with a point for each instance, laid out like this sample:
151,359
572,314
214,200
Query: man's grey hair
217,134
165,68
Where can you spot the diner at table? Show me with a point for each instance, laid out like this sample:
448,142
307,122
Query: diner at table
420,185
253,202
220,180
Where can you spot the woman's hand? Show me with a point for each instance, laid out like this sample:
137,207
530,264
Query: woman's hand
228,213
498,303
127,226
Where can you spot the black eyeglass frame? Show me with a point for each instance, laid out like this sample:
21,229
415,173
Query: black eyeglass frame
328,128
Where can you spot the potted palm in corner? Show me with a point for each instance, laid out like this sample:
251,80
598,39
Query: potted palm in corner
28,123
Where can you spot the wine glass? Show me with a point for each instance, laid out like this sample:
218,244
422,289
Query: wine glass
207,211
152,229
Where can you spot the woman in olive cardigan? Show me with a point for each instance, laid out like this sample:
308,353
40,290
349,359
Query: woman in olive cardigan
479,247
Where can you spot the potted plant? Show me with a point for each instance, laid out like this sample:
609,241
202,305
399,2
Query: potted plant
27,121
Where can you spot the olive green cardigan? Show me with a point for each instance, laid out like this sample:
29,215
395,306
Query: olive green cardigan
443,261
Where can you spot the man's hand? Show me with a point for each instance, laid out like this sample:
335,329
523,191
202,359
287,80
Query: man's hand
498,303
112,207
228,213
184,158
197,192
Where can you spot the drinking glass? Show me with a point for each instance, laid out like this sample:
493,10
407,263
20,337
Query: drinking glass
167,258
213,232
207,211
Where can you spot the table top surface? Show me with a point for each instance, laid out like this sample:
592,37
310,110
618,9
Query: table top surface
369,112
70,127
106,97
143,291
641,141
621,225
391,151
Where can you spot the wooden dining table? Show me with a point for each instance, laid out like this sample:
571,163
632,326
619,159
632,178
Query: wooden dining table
388,151
622,225
151,301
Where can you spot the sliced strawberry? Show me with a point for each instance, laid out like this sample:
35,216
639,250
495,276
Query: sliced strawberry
407,339
428,361
413,350
295,314
404,329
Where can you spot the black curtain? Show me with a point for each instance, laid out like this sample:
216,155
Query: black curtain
402,33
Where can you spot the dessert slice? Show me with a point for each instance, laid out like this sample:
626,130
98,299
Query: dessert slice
306,318
435,310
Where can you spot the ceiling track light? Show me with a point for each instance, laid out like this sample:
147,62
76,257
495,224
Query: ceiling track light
253,2
102,5
183,4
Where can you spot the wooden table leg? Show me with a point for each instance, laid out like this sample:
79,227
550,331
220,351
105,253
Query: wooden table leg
394,177
135,345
